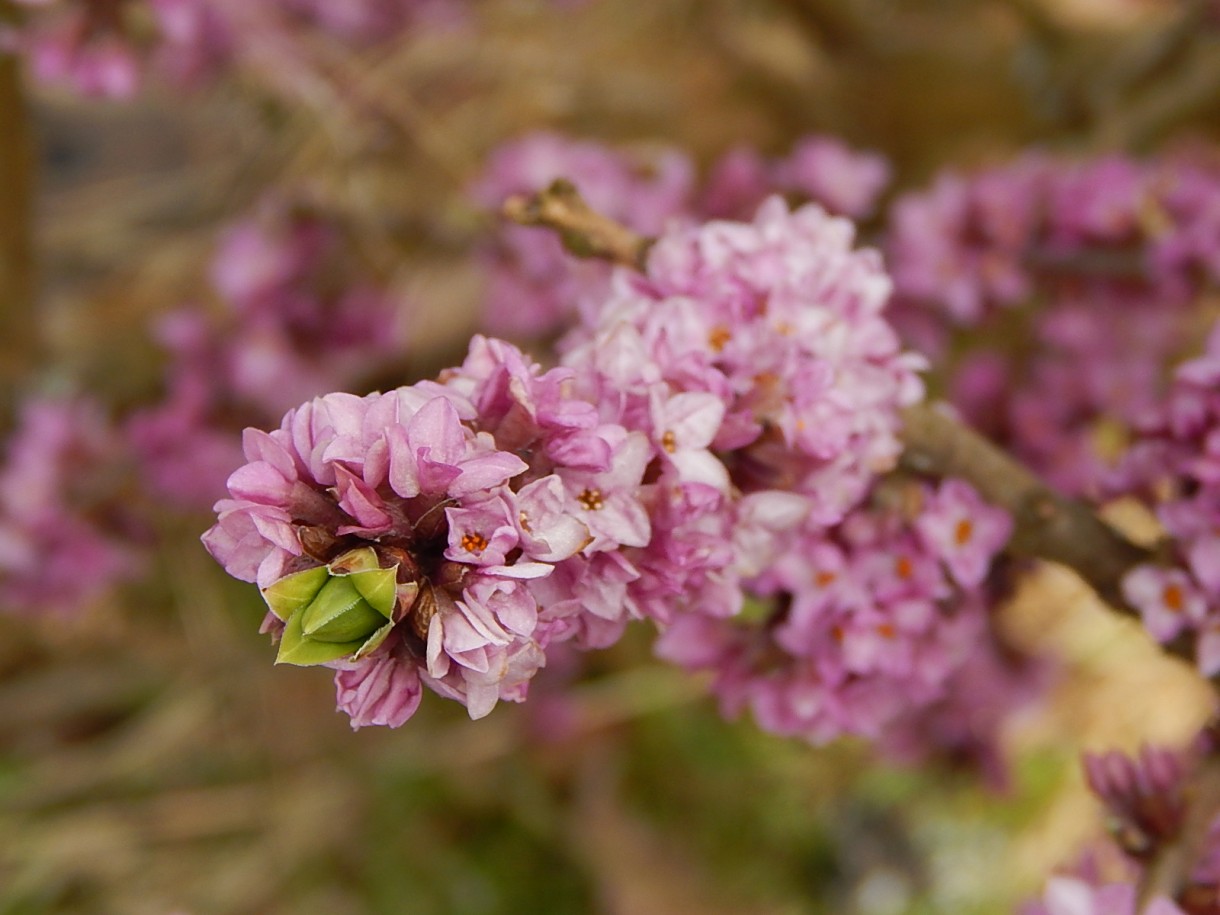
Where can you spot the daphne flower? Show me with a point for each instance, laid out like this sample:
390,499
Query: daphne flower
964,530
401,473
1166,598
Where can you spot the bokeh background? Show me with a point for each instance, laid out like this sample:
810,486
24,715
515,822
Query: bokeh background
152,760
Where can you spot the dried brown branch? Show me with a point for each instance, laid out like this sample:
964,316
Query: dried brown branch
584,231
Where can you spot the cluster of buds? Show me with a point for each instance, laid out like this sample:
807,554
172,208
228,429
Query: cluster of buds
1162,818
344,609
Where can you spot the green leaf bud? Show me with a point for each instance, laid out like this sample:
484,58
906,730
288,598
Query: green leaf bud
294,592
340,613
297,648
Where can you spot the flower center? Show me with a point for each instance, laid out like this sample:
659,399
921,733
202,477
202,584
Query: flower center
669,441
719,336
904,567
963,532
1173,598
591,499
474,543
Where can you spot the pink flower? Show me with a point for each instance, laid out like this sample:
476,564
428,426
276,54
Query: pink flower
846,182
964,530
1166,599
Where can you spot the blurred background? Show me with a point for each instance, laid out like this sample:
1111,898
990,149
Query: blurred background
152,759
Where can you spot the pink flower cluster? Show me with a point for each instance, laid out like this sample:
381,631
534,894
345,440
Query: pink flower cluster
103,47
866,623
534,288
765,341
1174,463
294,328
64,537
499,502
701,451
1084,248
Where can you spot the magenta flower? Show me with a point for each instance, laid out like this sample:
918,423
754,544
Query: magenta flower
1144,795
964,530
1166,598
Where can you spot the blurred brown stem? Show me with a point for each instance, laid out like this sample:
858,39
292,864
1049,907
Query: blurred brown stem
584,231
17,278
834,27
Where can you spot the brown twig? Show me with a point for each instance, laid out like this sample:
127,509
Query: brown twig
833,27
584,231
17,278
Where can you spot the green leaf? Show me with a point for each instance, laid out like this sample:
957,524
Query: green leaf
294,592
297,648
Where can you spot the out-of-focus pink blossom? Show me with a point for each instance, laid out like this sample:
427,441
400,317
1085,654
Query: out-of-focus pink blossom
1103,257
65,535
296,325
1075,896
829,172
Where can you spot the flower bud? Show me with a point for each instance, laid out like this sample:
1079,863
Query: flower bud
345,609
340,613
294,592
